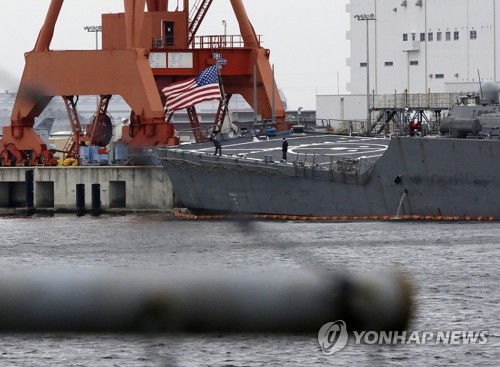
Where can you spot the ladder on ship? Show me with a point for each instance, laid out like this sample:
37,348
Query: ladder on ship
384,121
196,15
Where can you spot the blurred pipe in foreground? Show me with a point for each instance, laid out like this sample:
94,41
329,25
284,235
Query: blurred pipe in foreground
201,301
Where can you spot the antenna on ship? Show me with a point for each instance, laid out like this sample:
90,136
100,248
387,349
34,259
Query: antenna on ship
480,86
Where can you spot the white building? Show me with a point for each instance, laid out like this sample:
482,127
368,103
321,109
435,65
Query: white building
420,46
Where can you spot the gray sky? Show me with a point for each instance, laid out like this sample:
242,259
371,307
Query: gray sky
306,38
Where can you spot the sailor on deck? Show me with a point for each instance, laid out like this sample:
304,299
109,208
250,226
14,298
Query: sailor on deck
216,138
284,148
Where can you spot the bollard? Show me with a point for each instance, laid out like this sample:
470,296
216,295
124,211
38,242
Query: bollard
80,199
96,199
30,194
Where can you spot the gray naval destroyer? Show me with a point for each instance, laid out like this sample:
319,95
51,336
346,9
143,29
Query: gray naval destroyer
454,174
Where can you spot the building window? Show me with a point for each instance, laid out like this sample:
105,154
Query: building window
439,36
473,35
413,37
422,37
430,37
456,35
448,36
362,64
389,63
414,63
439,76
405,37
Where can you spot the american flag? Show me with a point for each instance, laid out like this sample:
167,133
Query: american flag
187,93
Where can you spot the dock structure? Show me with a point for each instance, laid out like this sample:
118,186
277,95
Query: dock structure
396,110
84,189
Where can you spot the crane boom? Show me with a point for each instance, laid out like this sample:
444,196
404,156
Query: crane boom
47,31
246,28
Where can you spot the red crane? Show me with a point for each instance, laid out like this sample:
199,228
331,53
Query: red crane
142,52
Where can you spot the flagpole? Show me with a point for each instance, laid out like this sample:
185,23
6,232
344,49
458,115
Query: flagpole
184,94
223,91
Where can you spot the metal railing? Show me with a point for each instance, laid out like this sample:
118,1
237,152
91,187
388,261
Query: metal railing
414,101
220,41
347,127
204,42
315,166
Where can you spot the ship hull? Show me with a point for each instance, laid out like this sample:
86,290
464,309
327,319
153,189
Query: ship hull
415,176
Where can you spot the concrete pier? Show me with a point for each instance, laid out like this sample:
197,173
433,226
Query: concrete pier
122,188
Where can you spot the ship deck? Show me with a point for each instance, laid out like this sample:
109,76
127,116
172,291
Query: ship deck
320,148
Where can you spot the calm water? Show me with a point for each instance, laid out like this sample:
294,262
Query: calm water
455,267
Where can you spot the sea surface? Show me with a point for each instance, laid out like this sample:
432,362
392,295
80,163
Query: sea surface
454,268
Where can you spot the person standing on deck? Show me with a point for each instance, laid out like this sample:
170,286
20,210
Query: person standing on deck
284,148
216,138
